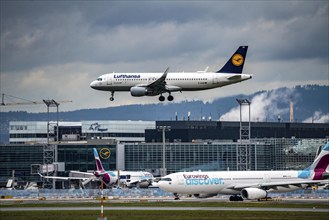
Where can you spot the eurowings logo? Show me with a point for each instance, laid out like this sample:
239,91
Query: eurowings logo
202,179
237,59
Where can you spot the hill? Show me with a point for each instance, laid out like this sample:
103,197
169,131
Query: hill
310,105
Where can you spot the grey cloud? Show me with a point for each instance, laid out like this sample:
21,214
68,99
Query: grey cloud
38,33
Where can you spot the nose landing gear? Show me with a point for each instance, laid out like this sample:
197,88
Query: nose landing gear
112,94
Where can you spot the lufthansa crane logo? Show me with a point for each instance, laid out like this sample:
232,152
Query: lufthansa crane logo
105,153
237,59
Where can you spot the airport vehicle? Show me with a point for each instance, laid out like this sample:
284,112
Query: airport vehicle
249,184
153,84
110,178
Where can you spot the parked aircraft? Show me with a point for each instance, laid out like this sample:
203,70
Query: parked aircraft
110,178
153,84
249,184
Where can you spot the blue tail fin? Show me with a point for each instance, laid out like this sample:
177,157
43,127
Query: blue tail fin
99,165
236,62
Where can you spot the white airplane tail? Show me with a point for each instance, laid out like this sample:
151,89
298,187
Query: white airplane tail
319,166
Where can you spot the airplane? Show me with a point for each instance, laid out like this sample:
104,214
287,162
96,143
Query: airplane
251,185
110,178
153,84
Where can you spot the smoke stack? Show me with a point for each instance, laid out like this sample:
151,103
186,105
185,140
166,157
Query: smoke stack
188,115
176,116
291,112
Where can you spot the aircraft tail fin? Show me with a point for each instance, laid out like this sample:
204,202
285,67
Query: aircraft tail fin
319,166
236,62
99,165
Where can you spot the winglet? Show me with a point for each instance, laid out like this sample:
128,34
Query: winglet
236,62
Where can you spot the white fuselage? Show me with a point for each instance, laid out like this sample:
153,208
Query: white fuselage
184,81
130,178
226,182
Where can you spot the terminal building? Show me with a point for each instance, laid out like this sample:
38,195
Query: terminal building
138,145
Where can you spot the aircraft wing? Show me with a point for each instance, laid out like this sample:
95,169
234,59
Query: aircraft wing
83,173
273,185
159,83
65,178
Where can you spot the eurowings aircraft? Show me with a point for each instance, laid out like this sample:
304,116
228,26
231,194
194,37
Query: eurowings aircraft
153,84
128,178
249,184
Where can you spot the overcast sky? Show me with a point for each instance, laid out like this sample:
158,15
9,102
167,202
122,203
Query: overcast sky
55,49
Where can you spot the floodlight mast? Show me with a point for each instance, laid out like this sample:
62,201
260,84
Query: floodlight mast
243,148
164,129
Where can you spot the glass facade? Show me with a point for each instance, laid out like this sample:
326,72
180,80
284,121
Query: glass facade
79,157
265,154
19,158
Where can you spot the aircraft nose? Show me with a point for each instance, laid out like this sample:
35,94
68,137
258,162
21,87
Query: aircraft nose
92,84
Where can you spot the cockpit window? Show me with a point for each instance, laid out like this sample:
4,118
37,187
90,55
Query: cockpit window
165,179
99,79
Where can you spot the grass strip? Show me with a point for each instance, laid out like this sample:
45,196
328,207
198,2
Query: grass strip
168,215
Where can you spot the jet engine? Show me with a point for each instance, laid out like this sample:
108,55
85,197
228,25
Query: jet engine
203,196
138,91
253,193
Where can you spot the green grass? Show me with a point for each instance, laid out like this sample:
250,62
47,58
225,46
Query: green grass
201,203
168,215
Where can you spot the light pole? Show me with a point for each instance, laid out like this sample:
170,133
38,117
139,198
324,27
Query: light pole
164,129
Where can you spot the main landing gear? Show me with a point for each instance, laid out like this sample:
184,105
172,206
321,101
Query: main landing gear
112,94
236,198
162,98
176,196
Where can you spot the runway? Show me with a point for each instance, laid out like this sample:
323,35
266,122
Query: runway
262,209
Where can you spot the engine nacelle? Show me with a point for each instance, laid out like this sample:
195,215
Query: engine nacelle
203,196
138,91
97,173
253,193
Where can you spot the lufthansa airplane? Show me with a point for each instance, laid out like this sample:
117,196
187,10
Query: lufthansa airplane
153,84
249,184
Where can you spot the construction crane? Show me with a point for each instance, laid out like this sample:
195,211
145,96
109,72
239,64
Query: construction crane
28,102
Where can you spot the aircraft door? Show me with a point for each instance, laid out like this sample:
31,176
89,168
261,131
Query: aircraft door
109,80
267,178
215,79
180,180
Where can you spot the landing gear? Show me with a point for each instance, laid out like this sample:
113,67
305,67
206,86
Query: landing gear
161,98
112,94
236,198
176,196
170,98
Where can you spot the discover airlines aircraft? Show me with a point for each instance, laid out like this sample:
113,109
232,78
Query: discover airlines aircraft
249,184
128,178
153,84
